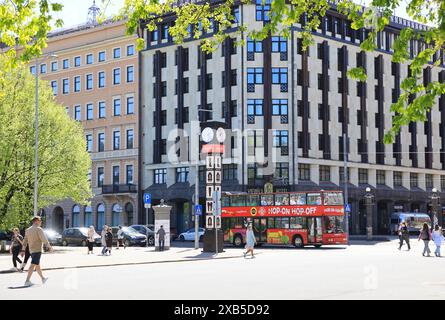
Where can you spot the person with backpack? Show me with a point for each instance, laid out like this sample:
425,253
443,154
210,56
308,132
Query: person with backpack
16,246
438,239
425,235
404,235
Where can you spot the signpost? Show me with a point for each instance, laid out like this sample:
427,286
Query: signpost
147,204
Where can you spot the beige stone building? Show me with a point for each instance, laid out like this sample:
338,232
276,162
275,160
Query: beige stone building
95,76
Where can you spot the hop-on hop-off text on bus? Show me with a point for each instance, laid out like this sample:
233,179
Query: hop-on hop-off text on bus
298,218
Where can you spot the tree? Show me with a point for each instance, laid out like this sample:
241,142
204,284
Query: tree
63,160
286,13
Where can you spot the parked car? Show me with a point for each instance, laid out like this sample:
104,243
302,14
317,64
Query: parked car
189,235
131,237
147,230
5,235
53,237
78,236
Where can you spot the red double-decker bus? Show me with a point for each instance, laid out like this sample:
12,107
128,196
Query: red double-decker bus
298,218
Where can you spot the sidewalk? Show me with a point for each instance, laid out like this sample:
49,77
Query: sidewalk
76,257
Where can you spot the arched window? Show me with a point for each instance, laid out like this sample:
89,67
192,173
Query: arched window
116,215
100,217
88,216
76,216
129,212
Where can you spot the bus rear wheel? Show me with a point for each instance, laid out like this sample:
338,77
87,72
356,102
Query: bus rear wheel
318,246
298,242
238,241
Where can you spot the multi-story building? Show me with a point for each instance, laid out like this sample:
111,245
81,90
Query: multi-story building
95,75
289,109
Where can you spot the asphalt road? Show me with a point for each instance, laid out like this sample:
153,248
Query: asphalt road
363,271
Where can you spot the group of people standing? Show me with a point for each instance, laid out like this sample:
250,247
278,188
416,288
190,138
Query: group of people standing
426,235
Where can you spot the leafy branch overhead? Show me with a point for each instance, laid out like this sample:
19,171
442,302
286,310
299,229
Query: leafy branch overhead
198,16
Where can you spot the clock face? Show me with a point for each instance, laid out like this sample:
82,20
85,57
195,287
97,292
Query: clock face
207,135
221,135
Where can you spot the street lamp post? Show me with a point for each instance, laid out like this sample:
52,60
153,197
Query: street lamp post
434,202
36,164
369,198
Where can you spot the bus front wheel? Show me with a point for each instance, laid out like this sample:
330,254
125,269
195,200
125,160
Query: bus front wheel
298,242
318,246
238,241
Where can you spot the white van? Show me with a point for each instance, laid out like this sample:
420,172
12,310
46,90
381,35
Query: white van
414,221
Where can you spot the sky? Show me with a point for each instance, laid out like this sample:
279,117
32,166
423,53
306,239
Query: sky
76,11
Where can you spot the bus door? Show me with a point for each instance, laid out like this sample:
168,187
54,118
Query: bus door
315,230
260,229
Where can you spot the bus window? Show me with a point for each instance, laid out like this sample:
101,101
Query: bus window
297,199
334,225
282,223
225,201
314,199
271,223
281,199
297,222
253,200
333,199
237,223
238,201
267,200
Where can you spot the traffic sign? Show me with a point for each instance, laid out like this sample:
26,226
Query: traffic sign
218,222
147,198
210,223
198,210
348,208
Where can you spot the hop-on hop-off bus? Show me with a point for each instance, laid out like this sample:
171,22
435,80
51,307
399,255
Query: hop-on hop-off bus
297,218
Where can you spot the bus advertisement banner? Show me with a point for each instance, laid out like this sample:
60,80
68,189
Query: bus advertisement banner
272,211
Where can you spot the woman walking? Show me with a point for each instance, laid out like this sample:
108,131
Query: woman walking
404,235
103,239
438,239
250,241
425,235
109,240
90,241
15,248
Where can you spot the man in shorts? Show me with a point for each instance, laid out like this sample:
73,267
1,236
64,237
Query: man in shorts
34,239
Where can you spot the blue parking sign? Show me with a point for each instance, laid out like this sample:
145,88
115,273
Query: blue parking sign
348,208
147,198
198,210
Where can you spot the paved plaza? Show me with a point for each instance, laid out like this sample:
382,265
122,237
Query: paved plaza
361,271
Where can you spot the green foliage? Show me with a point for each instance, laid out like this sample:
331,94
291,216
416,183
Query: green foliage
63,160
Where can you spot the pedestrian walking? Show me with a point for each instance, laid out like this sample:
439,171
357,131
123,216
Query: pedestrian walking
103,239
15,248
425,235
250,241
161,235
25,260
34,239
404,235
90,240
438,238
120,238
109,240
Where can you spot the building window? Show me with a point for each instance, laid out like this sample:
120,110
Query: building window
54,66
182,174
117,53
101,142
129,175
279,44
282,170
279,76
100,177
77,84
325,173
32,70
89,111
76,62
89,85
43,68
130,50
76,216
342,174
397,177
381,177
116,175
102,56
442,183
281,140
280,107
130,139
263,11
130,74
77,115
429,181
101,79
102,110
65,86
304,172
255,140
130,105
116,76
230,172
116,140
160,176
89,139
362,176
90,59
255,107
66,64
414,180
254,76
117,107
55,87
254,46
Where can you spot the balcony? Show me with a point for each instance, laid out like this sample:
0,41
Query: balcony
119,189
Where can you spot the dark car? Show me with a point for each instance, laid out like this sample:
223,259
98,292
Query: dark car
78,236
53,237
147,230
5,236
131,237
